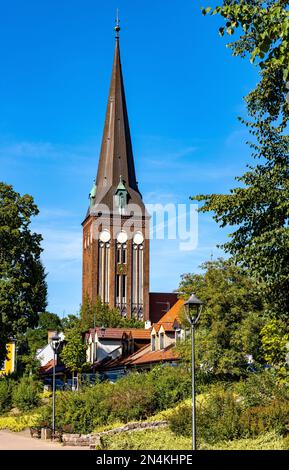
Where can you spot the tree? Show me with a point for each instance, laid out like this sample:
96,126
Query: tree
231,320
275,337
258,208
73,353
100,314
23,288
37,337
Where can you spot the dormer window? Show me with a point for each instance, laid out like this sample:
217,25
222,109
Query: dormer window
153,342
162,341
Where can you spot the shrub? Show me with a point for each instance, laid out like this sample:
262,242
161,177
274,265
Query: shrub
218,417
181,421
25,395
5,395
171,385
132,397
259,419
82,411
261,388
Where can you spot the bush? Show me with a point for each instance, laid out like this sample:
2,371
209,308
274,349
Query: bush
218,418
261,388
5,395
82,411
132,398
181,421
260,419
171,385
25,395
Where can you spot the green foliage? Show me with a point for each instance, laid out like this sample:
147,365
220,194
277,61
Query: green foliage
219,417
5,394
73,353
150,439
37,337
22,279
19,423
231,320
25,395
258,209
100,314
181,421
260,388
275,337
260,419
134,397
264,27
171,385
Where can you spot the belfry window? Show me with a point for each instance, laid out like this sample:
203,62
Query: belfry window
121,272
137,275
103,265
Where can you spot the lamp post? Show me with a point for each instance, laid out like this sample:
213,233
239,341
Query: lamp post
193,308
55,343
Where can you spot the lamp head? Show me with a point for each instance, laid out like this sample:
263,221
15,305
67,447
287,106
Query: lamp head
102,329
193,308
55,342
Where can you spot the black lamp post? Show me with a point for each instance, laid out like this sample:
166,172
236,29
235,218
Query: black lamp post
193,308
55,343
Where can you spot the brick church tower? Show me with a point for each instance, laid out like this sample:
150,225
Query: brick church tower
116,226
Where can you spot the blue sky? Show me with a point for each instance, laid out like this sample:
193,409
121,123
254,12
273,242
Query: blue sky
184,92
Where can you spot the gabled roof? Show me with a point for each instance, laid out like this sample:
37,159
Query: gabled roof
167,354
143,356
119,333
171,318
173,314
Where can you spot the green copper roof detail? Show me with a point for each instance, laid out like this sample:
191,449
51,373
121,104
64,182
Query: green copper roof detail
121,185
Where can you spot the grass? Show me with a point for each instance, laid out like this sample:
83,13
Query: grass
164,439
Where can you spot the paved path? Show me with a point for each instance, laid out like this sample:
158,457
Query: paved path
23,441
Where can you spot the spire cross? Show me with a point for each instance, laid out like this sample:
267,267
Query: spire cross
117,27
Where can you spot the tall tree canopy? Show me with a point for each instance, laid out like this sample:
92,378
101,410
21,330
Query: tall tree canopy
258,208
231,320
23,288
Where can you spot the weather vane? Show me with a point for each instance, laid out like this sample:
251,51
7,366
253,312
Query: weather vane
117,27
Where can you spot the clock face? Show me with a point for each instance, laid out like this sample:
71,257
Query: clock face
122,237
138,238
104,236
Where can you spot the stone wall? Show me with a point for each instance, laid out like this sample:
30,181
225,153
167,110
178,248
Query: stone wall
94,439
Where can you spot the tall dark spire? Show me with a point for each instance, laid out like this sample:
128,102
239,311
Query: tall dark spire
116,156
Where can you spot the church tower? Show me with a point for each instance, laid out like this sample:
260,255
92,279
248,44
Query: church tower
116,226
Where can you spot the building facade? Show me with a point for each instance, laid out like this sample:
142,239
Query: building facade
116,226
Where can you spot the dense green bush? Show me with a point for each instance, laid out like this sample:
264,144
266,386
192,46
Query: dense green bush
171,385
260,419
133,398
181,421
82,411
5,395
25,394
218,418
260,389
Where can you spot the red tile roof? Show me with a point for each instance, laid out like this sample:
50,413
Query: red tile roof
173,314
118,333
167,354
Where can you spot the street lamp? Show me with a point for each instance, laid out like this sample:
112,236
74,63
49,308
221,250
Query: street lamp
55,343
193,308
103,329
